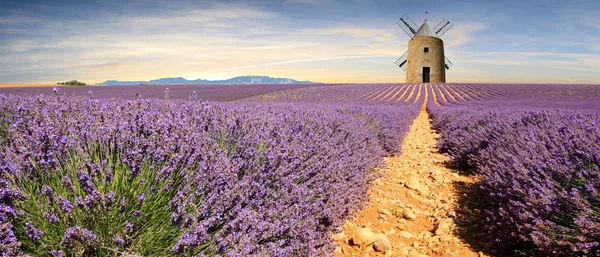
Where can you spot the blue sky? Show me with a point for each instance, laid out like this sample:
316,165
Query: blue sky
320,40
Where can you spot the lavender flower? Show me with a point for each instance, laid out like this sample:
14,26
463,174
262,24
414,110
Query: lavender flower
9,245
33,232
128,228
66,182
59,253
140,198
80,202
77,233
118,240
64,204
48,192
109,198
51,217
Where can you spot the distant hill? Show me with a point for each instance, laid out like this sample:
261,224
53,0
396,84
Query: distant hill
182,81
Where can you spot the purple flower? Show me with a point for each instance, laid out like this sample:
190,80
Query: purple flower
128,228
86,182
66,182
123,204
48,192
33,232
79,202
79,234
64,204
6,212
50,217
58,253
9,244
118,240
140,198
91,200
109,198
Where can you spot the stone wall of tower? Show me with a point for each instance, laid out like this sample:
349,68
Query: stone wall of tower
417,59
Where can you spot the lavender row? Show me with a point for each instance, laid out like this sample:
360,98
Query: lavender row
230,92
82,176
399,95
538,96
539,173
389,109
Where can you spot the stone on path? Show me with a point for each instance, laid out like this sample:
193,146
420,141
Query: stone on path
413,183
364,236
405,234
408,214
382,243
385,212
443,227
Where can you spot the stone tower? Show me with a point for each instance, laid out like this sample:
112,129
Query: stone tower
424,61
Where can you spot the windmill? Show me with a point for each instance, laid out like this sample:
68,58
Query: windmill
424,61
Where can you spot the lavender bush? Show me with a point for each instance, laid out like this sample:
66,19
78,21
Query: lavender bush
538,160
82,176
542,178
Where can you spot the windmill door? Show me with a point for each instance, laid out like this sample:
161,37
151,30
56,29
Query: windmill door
426,73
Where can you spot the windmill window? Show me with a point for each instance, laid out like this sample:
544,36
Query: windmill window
426,50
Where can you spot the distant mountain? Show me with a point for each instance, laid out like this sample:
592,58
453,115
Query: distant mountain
182,81
122,83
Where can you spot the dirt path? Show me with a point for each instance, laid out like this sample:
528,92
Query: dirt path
414,204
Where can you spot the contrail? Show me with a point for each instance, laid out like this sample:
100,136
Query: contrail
288,62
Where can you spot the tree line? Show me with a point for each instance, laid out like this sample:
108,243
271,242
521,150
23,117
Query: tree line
72,82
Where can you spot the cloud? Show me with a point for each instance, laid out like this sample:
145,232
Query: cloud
462,34
197,74
364,33
214,17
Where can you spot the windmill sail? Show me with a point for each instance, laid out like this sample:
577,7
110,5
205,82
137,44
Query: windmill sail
407,25
401,62
442,27
448,63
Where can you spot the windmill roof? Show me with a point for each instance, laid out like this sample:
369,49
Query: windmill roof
425,30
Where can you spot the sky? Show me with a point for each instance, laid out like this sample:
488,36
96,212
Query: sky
331,41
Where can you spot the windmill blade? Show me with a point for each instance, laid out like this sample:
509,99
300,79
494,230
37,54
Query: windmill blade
442,27
407,25
448,63
401,62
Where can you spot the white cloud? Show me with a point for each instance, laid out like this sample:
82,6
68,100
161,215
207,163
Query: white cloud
364,33
203,73
462,34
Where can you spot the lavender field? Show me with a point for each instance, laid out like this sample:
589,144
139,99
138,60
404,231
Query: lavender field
273,171
229,92
536,151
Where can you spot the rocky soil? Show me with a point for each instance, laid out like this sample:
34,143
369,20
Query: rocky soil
413,208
